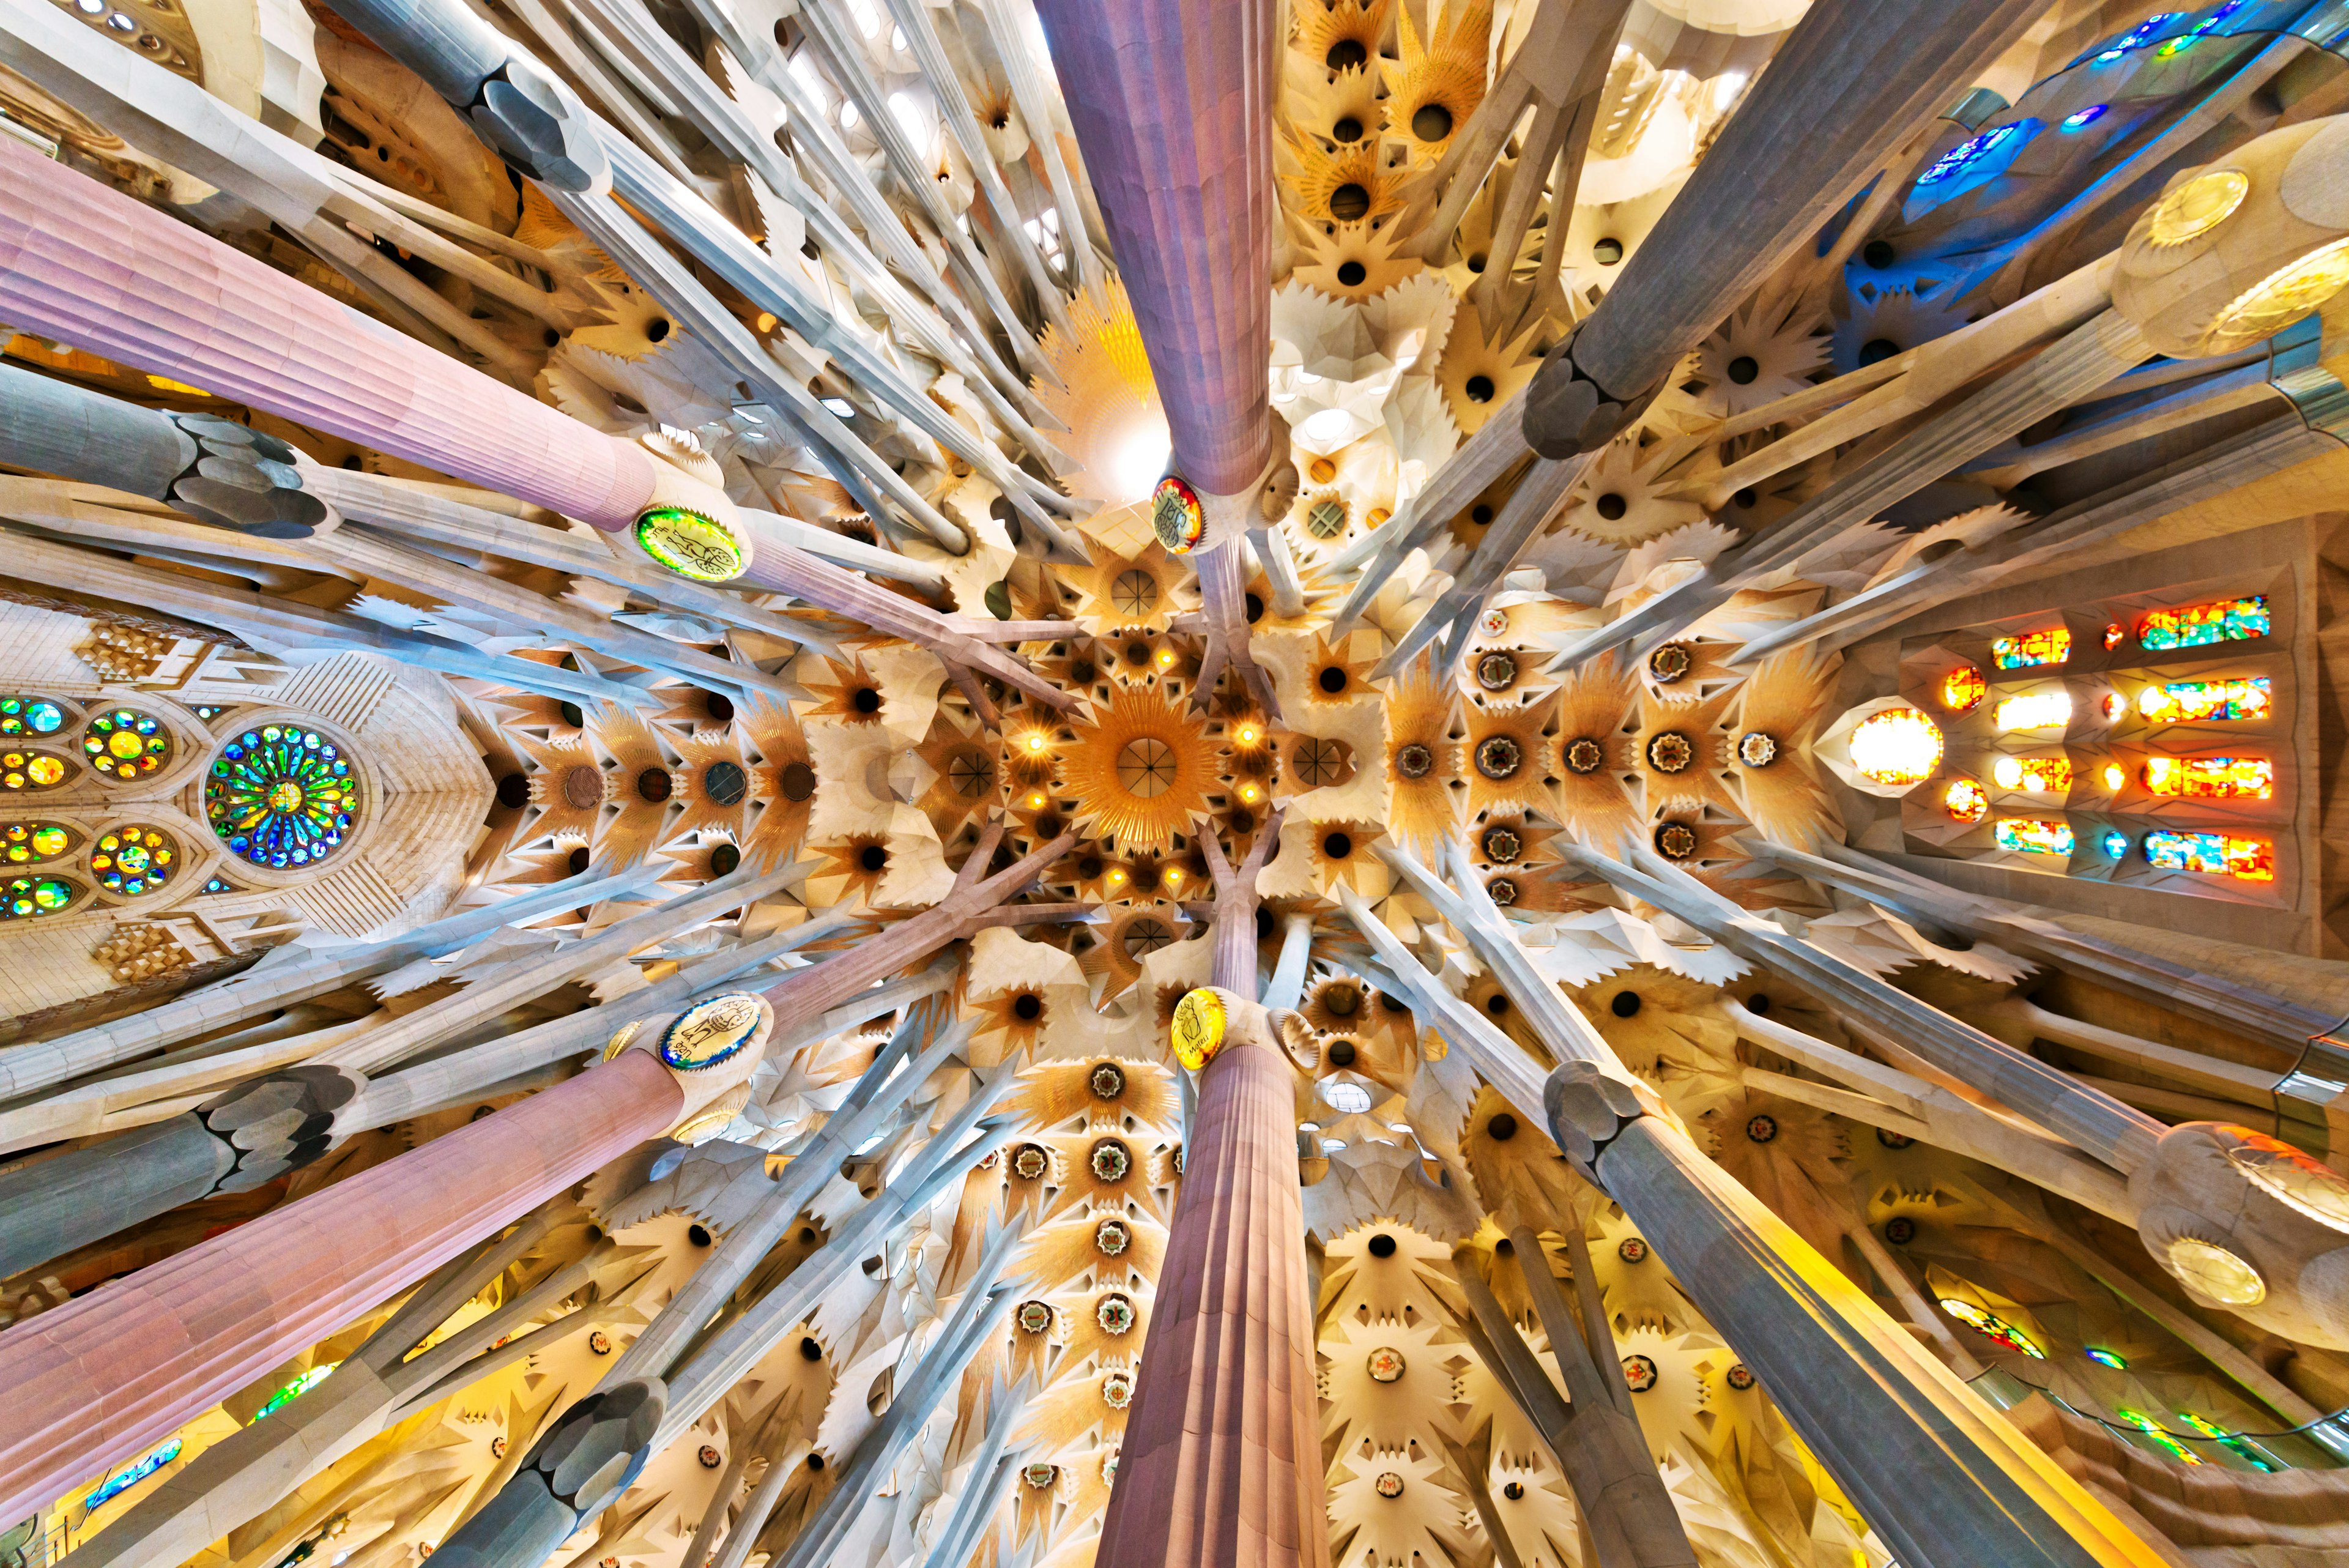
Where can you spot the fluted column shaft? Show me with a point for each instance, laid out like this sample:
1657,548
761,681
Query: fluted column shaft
1946,1481
1221,1463
85,265
104,1377
1851,76
1172,103
73,1198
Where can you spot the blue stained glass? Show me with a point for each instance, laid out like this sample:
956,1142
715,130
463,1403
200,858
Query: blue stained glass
2115,843
2081,119
281,796
2139,35
1948,164
30,716
130,1475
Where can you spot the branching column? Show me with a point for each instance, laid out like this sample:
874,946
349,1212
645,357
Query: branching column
1852,78
1946,1481
1942,1476
103,1377
1221,1463
1223,1452
1172,103
84,264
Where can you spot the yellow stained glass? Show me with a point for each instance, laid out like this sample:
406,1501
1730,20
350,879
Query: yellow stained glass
1898,746
2213,854
2032,836
2205,701
2034,710
2211,778
2279,299
2031,649
2044,775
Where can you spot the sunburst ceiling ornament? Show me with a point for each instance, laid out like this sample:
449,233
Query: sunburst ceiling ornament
1141,769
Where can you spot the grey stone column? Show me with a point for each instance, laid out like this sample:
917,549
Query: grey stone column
233,1143
584,1463
1853,78
214,469
1946,1481
1600,1448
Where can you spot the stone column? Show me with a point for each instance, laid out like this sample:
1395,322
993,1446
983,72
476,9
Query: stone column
1598,1446
1947,1482
244,997
2204,990
1887,1420
84,264
107,1375
1172,104
233,1143
208,466
1853,77
967,909
1222,1461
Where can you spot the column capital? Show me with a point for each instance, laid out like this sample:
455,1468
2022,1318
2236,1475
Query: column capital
709,1050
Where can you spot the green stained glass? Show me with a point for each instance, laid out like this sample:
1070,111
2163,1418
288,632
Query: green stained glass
281,796
2194,626
28,897
125,743
30,716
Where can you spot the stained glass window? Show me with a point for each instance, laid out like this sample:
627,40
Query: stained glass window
2032,836
2193,626
1966,801
134,859
2033,648
21,842
1898,746
1967,154
125,743
2104,1358
31,770
295,1389
27,897
281,796
2159,1434
130,1475
2211,778
30,716
1962,688
2114,635
1992,1326
2044,775
2115,841
2205,701
2227,1440
2034,710
2213,854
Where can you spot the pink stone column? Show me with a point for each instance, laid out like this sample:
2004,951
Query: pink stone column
1172,104
106,1378
84,264
1222,1462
